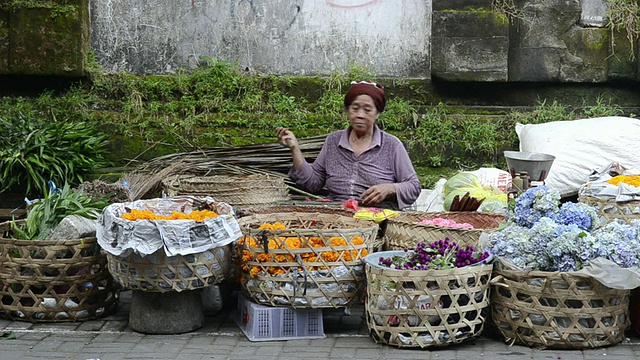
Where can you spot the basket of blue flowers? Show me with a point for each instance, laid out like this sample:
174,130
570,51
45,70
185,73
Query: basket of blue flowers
542,294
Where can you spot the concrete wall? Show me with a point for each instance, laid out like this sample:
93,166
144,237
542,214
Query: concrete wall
295,37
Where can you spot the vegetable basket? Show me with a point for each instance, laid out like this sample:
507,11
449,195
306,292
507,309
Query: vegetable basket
54,280
405,230
557,309
236,190
158,272
304,260
608,210
425,308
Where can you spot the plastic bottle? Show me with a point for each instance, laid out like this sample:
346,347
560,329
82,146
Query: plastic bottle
525,180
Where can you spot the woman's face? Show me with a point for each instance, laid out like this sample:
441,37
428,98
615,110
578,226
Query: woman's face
363,113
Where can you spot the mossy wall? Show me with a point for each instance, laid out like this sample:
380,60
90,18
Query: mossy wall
44,38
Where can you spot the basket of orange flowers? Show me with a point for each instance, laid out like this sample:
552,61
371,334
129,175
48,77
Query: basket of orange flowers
169,244
304,260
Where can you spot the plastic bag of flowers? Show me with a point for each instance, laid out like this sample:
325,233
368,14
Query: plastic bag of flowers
561,280
432,296
304,260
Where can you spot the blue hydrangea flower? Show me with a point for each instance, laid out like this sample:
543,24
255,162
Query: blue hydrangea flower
580,214
534,204
543,235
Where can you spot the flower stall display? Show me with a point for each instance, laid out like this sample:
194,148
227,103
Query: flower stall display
614,191
304,260
465,228
434,295
557,276
168,244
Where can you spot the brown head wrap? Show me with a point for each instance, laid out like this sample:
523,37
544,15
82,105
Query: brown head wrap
375,90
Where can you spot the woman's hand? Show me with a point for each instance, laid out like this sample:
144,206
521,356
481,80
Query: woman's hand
377,193
287,138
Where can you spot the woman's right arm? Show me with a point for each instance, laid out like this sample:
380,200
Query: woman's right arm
288,139
310,177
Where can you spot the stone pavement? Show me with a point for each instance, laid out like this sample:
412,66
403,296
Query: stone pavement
347,337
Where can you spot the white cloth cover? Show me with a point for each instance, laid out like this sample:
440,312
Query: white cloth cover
580,146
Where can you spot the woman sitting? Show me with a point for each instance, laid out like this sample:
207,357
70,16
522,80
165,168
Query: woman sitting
360,162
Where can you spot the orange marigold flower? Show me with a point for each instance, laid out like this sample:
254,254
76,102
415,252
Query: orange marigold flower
633,180
275,226
247,255
357,240
284,258
197,215
255,270
330,256
293,243
262,257
316,242
338,241
276,271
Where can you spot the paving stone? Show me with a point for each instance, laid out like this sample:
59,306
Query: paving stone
94,325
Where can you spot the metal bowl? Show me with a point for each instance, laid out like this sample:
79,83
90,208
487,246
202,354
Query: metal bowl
537,165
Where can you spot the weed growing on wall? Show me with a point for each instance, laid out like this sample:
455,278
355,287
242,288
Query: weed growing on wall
624,15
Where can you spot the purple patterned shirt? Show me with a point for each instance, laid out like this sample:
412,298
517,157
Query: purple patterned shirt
346,176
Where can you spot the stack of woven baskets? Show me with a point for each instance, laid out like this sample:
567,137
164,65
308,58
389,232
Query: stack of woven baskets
237,190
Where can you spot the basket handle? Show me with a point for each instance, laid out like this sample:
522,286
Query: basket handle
295,283
498,281
265,241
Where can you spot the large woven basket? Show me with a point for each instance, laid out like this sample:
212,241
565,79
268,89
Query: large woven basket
425,308
315,262
608,210
236,190
405,231
270,209
557,310
158,272
54,280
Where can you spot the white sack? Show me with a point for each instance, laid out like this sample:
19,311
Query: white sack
581,146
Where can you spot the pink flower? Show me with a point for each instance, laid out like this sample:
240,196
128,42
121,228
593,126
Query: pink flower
446,223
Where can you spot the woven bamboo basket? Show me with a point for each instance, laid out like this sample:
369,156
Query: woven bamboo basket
236,190
608,210
269,209
315,262
334,210
158,272
405,231
425,308
557,310
54,280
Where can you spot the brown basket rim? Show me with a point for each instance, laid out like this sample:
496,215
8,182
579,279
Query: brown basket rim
405,218
329,218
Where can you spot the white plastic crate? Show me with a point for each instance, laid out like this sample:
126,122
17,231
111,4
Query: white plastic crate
265,323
